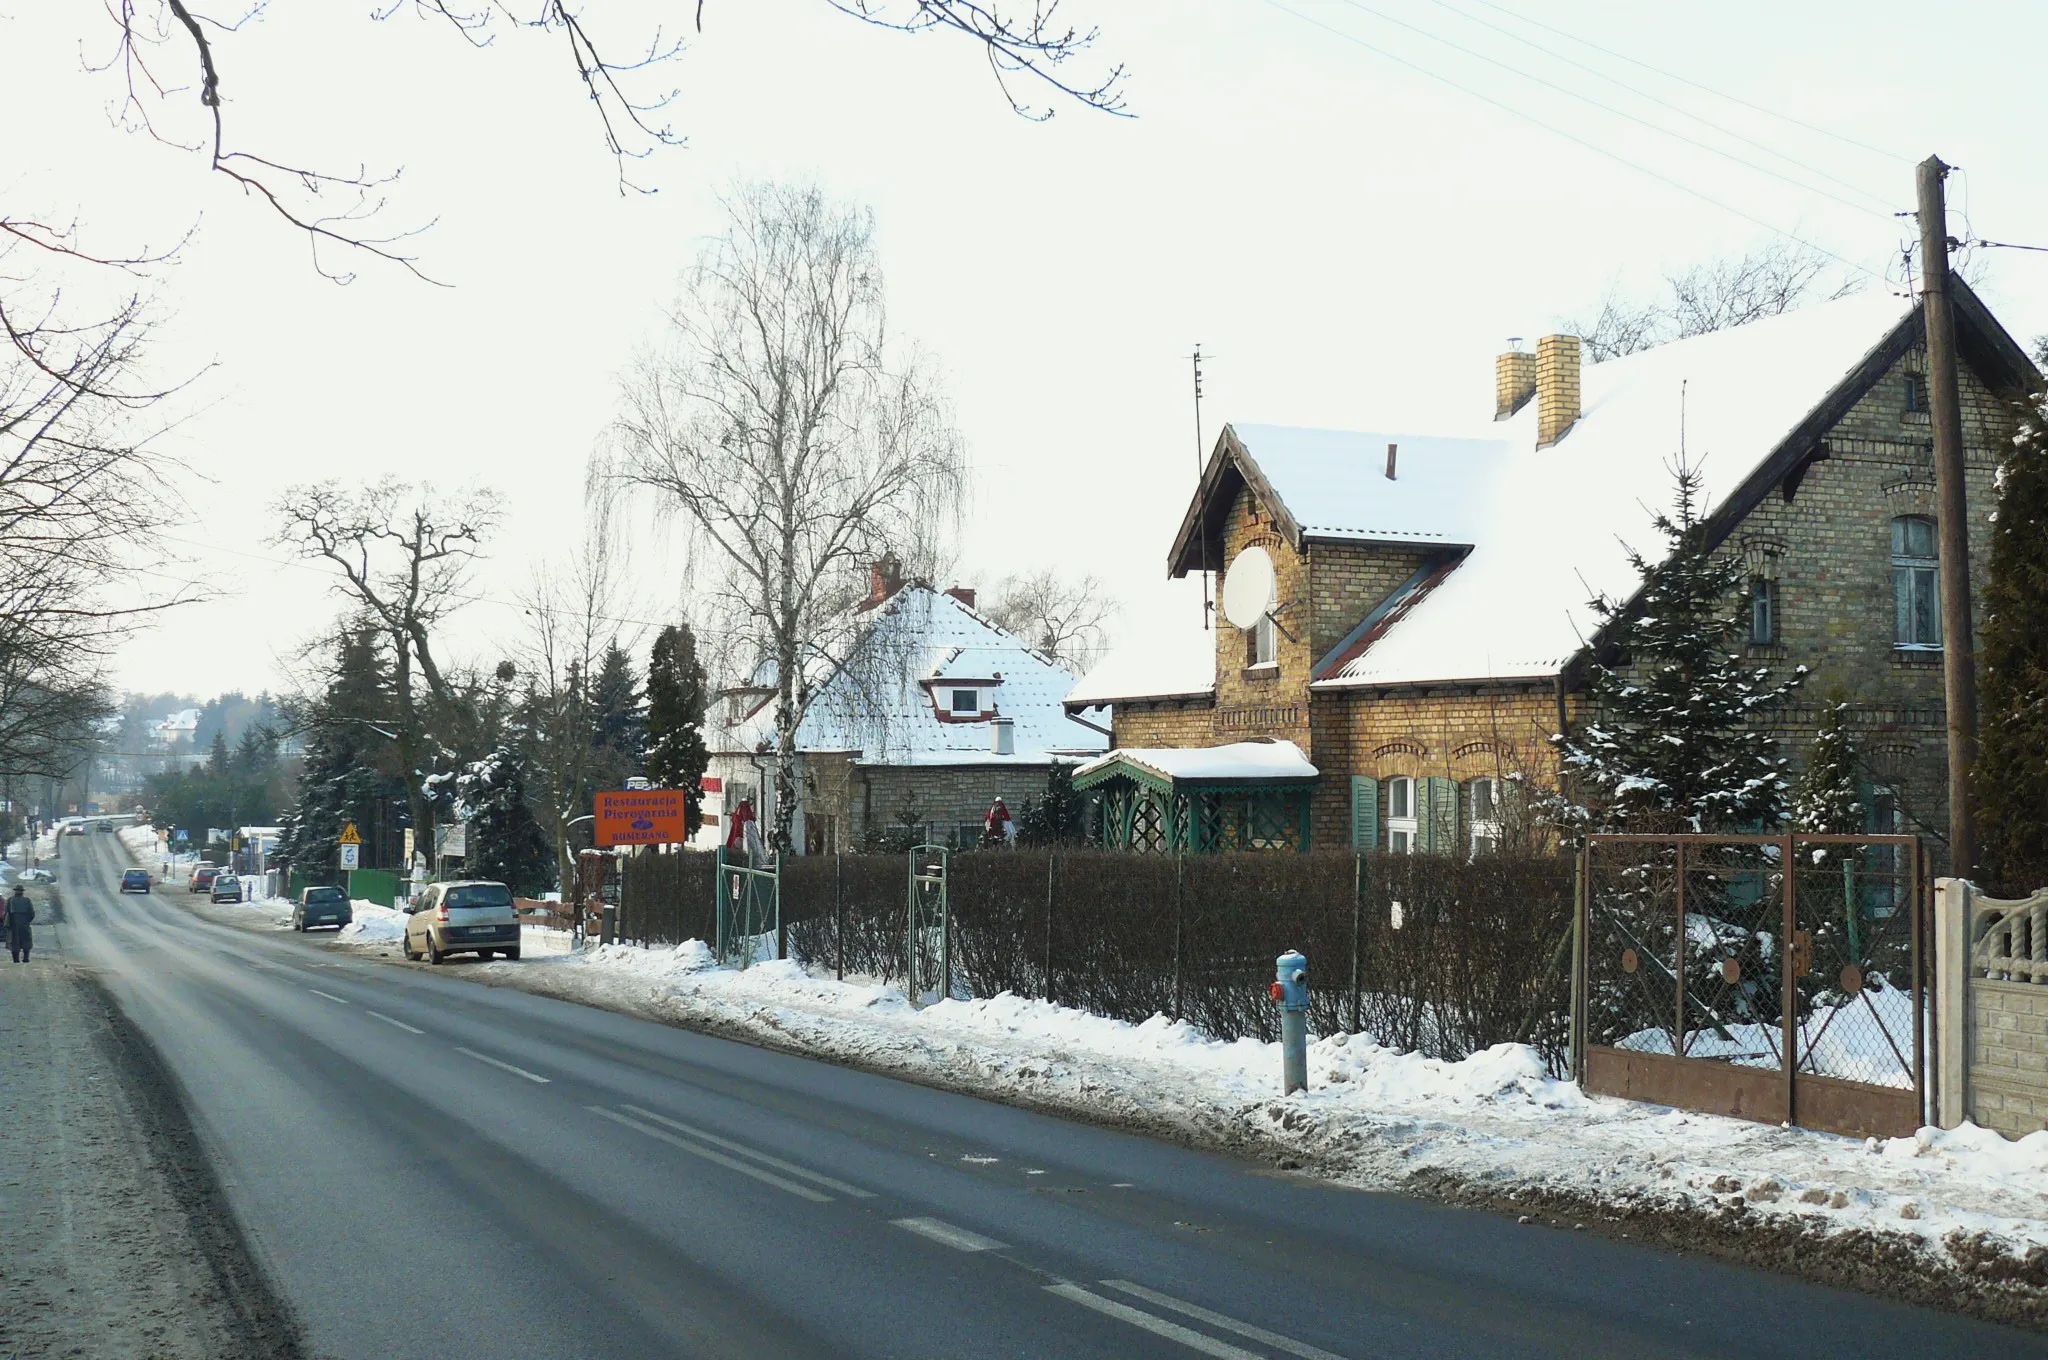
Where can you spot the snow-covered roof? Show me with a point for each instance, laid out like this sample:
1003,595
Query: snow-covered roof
1175,664
877,703
1549,528
1529,535
1240,760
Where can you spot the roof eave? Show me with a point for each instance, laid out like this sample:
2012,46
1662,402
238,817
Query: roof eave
1203,520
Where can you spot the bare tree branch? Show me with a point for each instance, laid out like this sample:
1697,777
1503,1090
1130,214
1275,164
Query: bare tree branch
1715,295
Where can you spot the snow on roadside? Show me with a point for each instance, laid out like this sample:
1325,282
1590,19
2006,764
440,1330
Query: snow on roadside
1373,1116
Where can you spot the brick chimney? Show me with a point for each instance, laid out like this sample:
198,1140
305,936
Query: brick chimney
964,594
885,578
1557,387
1514,380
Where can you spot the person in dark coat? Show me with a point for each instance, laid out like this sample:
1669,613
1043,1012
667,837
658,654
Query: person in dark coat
20,911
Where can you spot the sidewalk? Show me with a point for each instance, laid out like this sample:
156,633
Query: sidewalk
106,1225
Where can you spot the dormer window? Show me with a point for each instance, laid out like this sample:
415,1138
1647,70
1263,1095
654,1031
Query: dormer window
966,702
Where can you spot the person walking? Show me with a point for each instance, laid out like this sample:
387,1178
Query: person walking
20,912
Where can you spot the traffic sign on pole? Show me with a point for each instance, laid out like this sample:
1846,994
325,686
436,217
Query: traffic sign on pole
350,836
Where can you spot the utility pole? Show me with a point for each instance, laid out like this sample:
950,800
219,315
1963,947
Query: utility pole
1958,651
1201,458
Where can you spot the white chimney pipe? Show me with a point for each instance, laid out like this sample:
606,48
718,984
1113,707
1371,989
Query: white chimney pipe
1002,736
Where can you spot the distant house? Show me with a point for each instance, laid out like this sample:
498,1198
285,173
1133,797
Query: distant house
1426,629
928,714
176,735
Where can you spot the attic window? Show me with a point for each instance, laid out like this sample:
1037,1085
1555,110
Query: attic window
967,701
1916,393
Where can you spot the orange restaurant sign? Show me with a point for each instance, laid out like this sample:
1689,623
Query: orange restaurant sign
640,817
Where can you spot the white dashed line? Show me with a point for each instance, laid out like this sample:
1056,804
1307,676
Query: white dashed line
1172,1331
729,1163
851,1191
959,1239
1228,1324
515,1071
339,1001
379,1015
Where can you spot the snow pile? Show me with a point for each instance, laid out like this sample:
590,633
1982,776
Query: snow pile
373,924
1373,1116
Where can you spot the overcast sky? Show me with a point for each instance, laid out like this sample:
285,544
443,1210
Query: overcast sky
1350,225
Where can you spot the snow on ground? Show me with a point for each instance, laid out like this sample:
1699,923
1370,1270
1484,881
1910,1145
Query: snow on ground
1372,1116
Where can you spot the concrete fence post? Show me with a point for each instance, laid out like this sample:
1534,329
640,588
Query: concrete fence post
1951,999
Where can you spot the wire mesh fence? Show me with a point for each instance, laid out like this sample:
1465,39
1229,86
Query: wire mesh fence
1424,952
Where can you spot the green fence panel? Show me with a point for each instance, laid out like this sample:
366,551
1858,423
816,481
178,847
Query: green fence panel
374,885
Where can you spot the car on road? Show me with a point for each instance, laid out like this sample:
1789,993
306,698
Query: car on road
326,906
468,917
135,880
202,878
106,825
75,829
226,888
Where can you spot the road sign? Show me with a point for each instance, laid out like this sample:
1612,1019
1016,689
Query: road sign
351,856
350,836
640,817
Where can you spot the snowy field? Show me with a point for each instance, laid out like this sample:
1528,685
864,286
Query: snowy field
1372,1117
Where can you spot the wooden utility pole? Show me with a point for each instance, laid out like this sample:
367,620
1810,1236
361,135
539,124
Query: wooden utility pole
1958,652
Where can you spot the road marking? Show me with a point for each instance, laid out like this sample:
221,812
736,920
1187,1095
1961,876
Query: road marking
339,1001
959,1239
729,1163
850,1191
389,1021
1228,1324
515,1071
1172,1331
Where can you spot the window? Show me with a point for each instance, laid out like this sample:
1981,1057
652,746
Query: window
967,701
1264,647
1916,393
1916,595
1483,796
1401,819
1763,611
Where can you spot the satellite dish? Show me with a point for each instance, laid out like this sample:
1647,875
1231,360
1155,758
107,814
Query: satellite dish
1249,588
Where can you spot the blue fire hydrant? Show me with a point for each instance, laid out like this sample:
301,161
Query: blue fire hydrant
1290,989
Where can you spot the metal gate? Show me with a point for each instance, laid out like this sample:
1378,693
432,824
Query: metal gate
928,945
1776,978
749,906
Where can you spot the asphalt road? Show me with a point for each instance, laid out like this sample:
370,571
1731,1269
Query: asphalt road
436,1169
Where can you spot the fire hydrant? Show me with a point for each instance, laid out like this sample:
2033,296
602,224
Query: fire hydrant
1290,989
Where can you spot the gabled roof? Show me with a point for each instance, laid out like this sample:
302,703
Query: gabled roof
1239,763
875,701
1529,535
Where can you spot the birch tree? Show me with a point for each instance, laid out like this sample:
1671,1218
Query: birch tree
780,426
573,621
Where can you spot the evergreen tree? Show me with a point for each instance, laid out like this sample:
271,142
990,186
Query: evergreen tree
1830,801
618,725
2012,762
347,770
505,841
1679,739
676,754
1060,817
218,761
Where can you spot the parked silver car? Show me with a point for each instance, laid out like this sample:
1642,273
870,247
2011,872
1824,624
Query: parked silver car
461,918
225,888
325,906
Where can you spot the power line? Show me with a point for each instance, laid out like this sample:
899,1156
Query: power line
1573,137
1694,142
1654,98
1705,89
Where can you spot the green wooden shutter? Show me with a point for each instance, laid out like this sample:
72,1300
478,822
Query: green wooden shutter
1365,812
1438,816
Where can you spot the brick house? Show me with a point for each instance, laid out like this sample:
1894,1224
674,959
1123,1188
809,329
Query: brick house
928,714
1428,628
